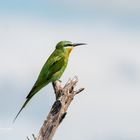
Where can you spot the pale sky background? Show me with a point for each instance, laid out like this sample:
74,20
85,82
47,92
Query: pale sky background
108,67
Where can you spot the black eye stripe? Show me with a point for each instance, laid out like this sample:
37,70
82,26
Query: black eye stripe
66,45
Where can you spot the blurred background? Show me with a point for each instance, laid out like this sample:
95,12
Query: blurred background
108,67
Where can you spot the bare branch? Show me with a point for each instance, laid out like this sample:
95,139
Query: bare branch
27,138
57,88
34,137
79,90
64,97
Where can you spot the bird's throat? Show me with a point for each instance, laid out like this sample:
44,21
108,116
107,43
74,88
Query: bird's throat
69,50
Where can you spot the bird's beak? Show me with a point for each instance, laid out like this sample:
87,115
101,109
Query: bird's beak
78,44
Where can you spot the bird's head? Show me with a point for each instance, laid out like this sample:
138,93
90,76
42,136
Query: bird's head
68,45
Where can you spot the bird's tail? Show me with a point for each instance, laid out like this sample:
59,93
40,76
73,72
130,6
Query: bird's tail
33,91
27,100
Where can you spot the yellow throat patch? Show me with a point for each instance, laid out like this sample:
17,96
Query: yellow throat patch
69,50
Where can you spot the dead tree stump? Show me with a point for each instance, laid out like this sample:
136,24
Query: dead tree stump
64,96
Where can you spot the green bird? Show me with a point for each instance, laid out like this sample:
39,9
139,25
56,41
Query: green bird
52,69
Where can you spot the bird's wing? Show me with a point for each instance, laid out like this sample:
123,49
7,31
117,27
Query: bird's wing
55,67
45,75
49,68
47,72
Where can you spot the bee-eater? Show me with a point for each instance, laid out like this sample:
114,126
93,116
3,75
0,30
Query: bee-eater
52,69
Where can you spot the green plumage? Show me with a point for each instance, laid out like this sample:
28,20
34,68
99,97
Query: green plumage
52,69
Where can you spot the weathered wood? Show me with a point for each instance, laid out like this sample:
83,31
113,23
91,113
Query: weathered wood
64,96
